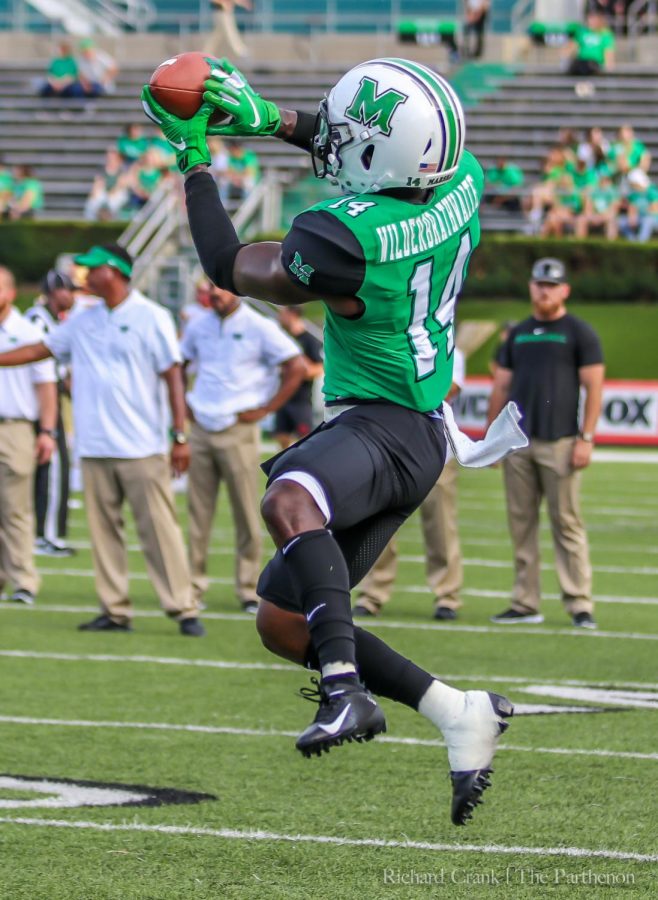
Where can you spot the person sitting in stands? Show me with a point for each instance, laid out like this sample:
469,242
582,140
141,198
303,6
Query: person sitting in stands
132,144
641,217
96,70
6,187
627,153
593,47
62,75
241,173
503,185
27,195
600,210
109,191
145,176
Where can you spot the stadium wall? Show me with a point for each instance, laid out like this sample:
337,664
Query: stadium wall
316,49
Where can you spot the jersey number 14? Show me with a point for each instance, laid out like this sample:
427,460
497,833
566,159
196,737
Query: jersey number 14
427,305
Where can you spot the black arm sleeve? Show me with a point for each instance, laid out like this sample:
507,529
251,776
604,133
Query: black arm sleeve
216,240
321,254
302,136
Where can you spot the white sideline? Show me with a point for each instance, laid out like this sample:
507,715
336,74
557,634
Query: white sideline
289,667
473,562
533,630
260,732
258,835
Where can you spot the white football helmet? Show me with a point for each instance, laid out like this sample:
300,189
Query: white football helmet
389,123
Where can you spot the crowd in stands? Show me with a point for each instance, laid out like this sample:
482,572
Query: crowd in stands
137,165
588,185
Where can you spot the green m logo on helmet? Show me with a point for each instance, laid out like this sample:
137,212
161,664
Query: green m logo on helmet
373,109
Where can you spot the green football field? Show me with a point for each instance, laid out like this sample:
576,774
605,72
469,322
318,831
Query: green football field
572,810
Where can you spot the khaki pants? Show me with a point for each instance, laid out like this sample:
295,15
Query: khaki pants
544,470
146,485
17,464
443,561
224,39
232,456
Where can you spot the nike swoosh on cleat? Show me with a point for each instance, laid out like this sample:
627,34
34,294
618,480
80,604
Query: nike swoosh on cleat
335,726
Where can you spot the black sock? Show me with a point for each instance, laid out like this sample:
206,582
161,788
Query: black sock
319,575
384,671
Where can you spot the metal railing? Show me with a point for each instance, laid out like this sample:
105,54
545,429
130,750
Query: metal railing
642,18
299,17
158,234
153,226
523,12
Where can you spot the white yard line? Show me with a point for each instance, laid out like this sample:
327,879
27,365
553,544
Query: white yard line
263,733
545,567
290,667
258,835
532,630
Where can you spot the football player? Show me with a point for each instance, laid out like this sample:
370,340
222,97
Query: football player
388,260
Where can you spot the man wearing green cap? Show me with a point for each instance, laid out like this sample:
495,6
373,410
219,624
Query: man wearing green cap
125,361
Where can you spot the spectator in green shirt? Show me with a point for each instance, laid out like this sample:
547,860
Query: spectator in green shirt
6,187
641,218
555,179
503,185
593,47
628,153
62,76
600,210
132,145
241,173
145,176
27,195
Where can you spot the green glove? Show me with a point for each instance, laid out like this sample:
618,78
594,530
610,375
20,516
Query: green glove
186,136
229,92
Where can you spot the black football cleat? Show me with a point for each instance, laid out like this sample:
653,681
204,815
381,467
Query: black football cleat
471,742
348,712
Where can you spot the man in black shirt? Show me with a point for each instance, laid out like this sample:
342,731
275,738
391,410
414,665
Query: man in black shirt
542,366
294,419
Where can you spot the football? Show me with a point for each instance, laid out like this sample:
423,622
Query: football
177,83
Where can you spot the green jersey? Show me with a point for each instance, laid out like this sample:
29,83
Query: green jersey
593,45
407,263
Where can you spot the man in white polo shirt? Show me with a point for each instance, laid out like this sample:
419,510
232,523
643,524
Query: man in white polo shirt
126,364
27,395
247,367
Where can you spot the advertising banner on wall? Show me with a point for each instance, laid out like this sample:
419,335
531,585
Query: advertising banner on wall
629,412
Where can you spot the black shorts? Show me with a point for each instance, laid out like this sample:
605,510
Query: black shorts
294,418
376,463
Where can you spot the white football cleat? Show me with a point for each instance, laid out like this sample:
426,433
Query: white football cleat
471,739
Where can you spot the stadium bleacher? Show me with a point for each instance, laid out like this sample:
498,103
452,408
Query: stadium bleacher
518,118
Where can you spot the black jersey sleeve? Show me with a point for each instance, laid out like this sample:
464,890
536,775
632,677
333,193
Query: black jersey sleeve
588,346
304,132
321,254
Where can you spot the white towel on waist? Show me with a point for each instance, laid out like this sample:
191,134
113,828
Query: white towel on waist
503,437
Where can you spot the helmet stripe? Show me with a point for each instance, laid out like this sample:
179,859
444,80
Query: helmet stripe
449,106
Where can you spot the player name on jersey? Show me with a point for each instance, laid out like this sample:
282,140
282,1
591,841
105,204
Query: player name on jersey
435,225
